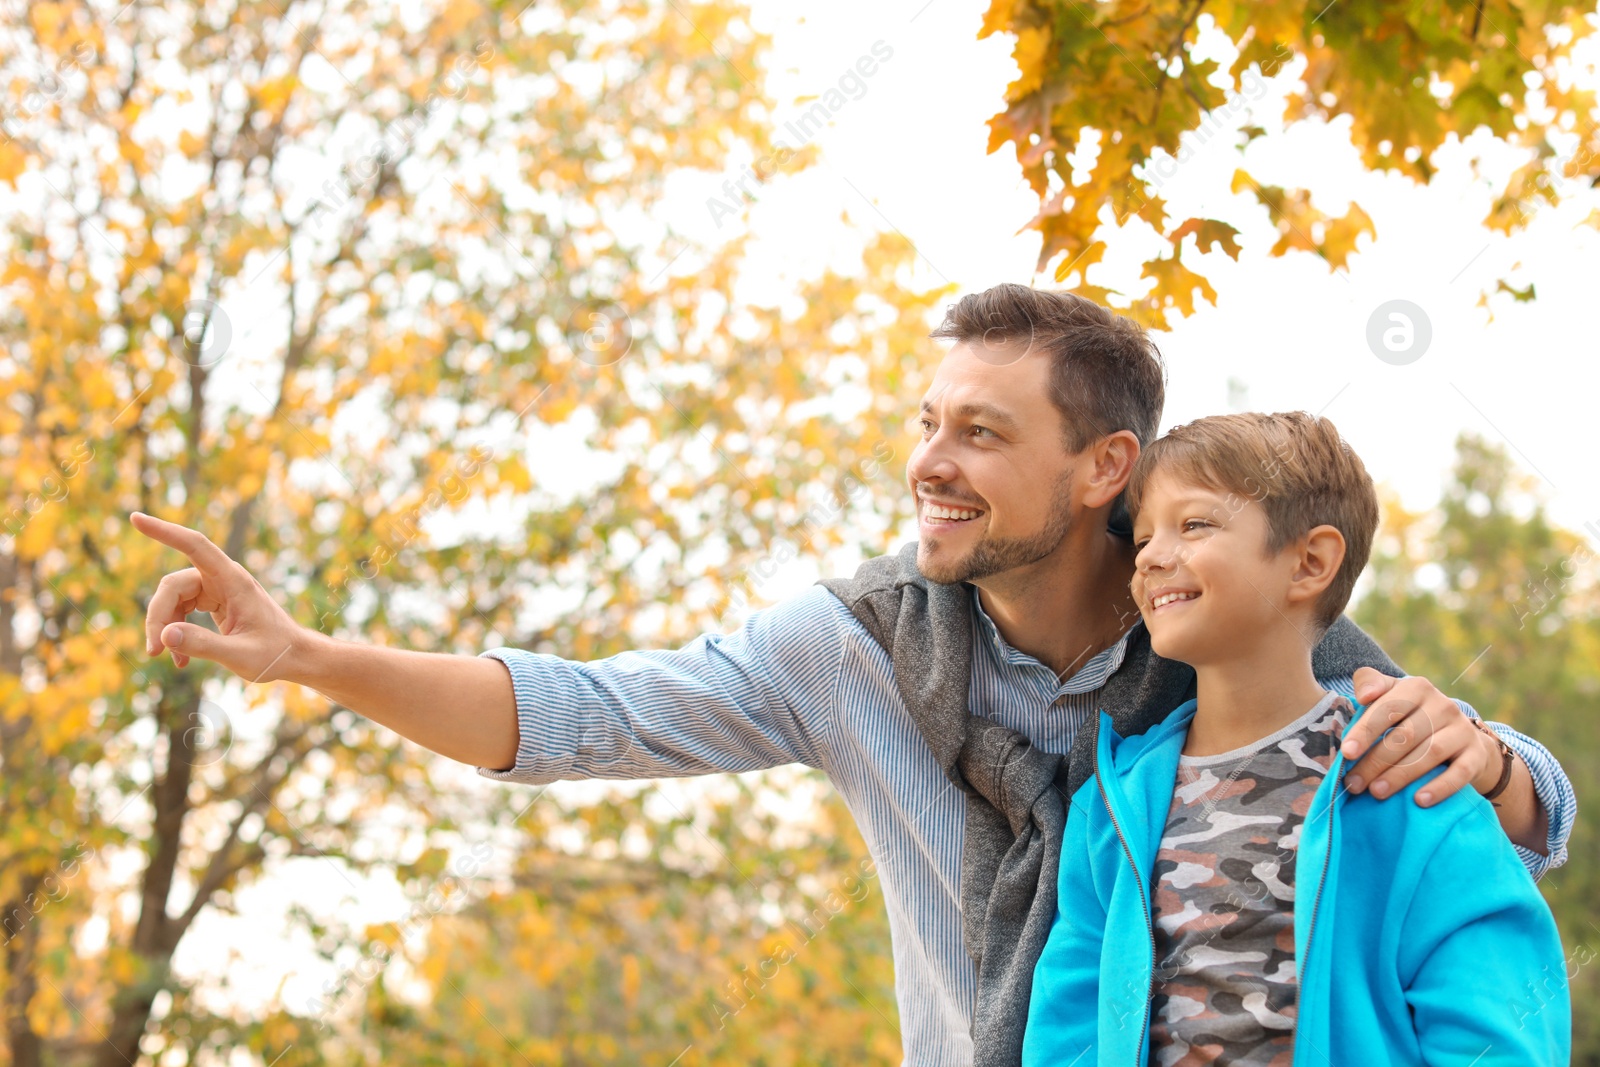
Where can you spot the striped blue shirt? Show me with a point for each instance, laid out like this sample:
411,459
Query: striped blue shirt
803,682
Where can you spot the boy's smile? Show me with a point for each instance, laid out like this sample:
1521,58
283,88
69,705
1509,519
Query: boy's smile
1165,596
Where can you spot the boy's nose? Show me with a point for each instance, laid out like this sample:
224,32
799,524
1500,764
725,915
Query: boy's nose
1153,558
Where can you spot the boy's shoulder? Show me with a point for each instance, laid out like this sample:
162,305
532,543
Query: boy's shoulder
1397,842
1399,815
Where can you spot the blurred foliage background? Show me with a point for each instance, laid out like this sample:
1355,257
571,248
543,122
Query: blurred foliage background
337,283
1502,608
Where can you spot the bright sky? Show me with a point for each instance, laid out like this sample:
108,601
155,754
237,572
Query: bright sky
909,154
1291,332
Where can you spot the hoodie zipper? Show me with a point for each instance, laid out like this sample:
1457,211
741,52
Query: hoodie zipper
1149,923
1322,880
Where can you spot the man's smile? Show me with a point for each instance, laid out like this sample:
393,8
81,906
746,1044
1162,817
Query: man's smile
934,513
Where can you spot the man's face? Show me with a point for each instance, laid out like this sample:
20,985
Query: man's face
992,474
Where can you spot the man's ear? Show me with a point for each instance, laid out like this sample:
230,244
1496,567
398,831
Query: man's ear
1321,551
1110,462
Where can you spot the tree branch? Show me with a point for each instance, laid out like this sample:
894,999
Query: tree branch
224,863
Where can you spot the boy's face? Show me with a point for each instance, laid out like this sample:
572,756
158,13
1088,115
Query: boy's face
1202,578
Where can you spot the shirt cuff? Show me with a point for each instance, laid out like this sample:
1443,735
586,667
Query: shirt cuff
1550,785
539,735
1554,790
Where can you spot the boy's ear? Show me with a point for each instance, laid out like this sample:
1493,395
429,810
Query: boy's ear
1321,553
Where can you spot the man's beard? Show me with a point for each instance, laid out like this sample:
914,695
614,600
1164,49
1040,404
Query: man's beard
993,555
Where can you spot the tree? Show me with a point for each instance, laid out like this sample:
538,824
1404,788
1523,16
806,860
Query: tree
1107,93
313,279
703,940
1488,592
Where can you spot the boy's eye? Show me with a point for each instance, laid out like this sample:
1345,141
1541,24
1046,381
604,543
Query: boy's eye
1191,524
1138,546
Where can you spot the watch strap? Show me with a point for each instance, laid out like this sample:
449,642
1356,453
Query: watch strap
1507,758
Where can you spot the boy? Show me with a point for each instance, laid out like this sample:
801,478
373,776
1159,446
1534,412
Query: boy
1222,899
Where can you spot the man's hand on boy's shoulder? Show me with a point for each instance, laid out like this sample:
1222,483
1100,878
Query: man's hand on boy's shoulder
1424,729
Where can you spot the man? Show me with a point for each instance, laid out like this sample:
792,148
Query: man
1029,430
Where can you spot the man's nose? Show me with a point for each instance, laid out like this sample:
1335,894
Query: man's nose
932,461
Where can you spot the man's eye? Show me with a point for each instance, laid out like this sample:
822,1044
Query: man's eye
983,429
926,424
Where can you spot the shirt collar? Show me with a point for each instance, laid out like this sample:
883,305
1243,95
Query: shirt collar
1087,678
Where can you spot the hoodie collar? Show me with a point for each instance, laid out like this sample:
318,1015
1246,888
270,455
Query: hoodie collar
1145,767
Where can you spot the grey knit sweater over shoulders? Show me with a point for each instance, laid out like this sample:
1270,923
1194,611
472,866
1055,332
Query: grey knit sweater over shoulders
1016,807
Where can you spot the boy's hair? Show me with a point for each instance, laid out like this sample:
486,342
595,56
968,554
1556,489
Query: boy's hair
1105,372
1295,465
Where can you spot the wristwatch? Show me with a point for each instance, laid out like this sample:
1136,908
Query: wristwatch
1507,757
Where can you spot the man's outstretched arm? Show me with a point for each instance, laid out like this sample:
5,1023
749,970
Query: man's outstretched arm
760,697
462,707
458,706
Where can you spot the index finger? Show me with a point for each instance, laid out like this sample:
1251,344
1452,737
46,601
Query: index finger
207,558
1366,730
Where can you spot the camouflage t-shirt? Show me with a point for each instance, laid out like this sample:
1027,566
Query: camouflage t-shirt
1224,896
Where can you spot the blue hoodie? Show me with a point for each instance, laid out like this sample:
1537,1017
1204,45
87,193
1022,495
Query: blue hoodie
1419,935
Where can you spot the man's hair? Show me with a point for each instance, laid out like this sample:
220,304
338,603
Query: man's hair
1105,372
1295,465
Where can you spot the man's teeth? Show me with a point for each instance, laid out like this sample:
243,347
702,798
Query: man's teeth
936,511
1167,598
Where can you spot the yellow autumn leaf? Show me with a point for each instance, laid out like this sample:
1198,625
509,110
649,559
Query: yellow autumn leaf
630,980
1029,55
459,14
82,649
12,697
1208,234
514,472
998,18
134,153
1340,235
12,163
274,94
46,19
1176,284
39,534
557,409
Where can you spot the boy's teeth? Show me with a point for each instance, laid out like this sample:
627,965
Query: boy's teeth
1167,598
